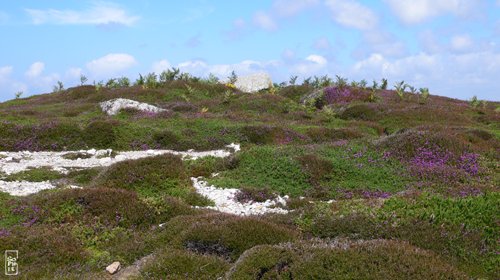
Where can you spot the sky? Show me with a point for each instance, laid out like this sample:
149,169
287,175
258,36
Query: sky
451,47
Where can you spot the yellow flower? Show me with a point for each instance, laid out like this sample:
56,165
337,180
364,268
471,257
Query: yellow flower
229,85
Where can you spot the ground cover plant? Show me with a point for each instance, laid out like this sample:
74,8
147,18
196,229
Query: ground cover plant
382,183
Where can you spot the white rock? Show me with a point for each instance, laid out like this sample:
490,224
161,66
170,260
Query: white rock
57,162
113,106
23,188
225,202
113,268
254,82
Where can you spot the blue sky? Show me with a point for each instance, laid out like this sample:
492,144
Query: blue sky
450,46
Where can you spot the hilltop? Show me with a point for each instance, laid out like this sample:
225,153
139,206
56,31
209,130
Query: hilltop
379,183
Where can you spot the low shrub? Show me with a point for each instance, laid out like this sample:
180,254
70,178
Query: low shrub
316,167
181,264
109,207
360,112
100,134
46,252
295,92
323,134
166,139
377,259
265,167
221,234
258,195
153,176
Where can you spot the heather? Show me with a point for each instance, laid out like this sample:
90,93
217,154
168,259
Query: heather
382,183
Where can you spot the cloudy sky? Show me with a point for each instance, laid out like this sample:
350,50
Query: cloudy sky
449,46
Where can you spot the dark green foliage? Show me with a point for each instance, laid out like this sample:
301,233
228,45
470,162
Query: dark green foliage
111,207
181,264
259,134
100,134
360,112
152,177
378,259
323,134
46,252
166,139
316,167
221,234
295,92
265,167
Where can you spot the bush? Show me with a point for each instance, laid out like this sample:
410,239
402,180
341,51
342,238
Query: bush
258,195
316,167
46,251
265,167
166,139
378,259
100,134
152,177
265,134
323,134
110,207
181,264
221,234
360,112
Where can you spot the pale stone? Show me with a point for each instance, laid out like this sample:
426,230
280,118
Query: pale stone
113,106
113,268
254,82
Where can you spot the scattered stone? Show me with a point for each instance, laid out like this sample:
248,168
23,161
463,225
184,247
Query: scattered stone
254,82
113,106
57,162
113,268
225,202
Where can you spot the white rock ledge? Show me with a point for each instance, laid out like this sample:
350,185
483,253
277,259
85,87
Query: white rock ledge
225,201
113,106
14,162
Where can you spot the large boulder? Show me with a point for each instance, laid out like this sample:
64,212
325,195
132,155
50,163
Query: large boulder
254,82
113,106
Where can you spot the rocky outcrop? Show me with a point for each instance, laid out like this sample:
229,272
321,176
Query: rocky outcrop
254,82
113,106
225,201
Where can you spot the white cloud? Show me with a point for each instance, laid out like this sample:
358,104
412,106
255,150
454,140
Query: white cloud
111,64
160,66
5,71
74,72
461,43
456,75
99,14
350,13
265,21
35,69
289,8
418,11
318,59
312,65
